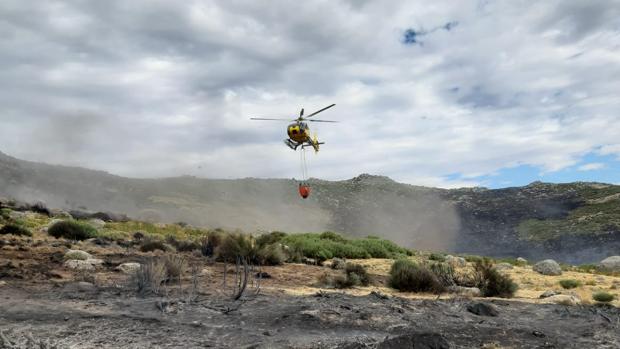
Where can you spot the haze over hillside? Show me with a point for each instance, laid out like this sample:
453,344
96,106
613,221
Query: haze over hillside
575,222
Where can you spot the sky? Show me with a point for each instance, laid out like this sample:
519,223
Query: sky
442,93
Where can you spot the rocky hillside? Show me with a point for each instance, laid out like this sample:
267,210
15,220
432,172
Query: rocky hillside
575,222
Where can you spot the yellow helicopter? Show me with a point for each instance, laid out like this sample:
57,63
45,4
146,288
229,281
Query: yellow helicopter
299,131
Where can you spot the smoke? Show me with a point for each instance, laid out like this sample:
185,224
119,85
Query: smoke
414,217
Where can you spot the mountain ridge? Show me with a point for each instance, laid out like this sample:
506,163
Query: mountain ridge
574,222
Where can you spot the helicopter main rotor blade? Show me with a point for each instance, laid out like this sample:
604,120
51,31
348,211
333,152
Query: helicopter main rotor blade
313,120
318,111
289,120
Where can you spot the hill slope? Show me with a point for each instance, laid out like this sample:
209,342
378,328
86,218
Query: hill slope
575,222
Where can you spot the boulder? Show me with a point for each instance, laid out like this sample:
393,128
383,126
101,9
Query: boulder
564,299
610,263
548,267
482,309
128,268
97,223
83,286
503,266
522,260
456,262
547,294
465,291
95,261
77,255
76,264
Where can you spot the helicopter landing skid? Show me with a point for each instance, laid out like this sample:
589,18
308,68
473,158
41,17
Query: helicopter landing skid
291,144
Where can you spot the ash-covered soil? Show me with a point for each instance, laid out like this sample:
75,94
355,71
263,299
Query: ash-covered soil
85,317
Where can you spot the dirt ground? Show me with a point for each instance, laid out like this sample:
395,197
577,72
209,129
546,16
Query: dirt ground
40,298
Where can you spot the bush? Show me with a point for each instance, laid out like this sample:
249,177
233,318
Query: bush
271,255
149,277
182,245
444,273
603,297
491,283
329,235
151,244
209,243
329,245
570,283
234,246
437,257
72,230
174,266
338,264
357,274
473,258
406,275
270,238
15,229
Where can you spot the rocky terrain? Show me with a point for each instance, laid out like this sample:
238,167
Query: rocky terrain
59,293
574,222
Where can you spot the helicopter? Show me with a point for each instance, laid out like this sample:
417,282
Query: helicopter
299,131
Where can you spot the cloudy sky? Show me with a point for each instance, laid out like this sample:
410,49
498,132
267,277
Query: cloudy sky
492,93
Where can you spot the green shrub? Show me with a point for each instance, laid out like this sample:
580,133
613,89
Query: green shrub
357,272
329,235
444,273
15,229
270,238
72,230
5,213
329,245
603,297
570,283
437,257
491,283
271,255
406,275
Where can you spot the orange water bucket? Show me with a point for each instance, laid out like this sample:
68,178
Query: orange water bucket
304,191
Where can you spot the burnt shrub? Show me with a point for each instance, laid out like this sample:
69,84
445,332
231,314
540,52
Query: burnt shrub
151,244
182,245
150,276
209,243
41,208
406,275
72,230
15,229
491,283
174,266
338,264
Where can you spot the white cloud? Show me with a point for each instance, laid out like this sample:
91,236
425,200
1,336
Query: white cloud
591,166
170,86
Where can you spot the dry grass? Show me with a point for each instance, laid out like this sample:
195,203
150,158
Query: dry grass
149,278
